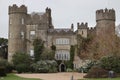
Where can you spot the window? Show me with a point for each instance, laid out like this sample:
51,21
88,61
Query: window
22,21
32,32
22,35
62,41
32,53
82,32
62,55
10,21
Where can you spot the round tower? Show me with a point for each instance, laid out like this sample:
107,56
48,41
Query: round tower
105,21
17,30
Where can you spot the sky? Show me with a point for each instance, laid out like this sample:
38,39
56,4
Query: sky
64,12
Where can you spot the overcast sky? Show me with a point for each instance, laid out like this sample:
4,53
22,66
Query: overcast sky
64,12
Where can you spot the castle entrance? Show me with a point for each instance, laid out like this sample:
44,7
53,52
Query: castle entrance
62,67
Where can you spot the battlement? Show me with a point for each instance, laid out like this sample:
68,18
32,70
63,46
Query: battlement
48,10
16,9
105,14
82,25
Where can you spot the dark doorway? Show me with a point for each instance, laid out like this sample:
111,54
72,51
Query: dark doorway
62,68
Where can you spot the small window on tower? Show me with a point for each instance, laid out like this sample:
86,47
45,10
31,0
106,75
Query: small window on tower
23,21
22,35
32,32
82,32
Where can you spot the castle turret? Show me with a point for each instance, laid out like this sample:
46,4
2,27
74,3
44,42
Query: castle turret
72,27
82,29
48,13
17,30
105,21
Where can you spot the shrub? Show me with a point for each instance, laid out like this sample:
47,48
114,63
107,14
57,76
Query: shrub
8,67
52,65
44,66
69,70
22,62
111,63
22,68
2,71
40,67
97,72
87,67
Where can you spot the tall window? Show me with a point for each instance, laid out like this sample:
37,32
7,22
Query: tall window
32,53
23,21
82,32
10,21
32,34
62,41
22,35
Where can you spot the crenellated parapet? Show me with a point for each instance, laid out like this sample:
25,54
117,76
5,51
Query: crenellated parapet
15,9
82,25
105,14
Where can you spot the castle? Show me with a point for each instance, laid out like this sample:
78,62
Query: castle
24,28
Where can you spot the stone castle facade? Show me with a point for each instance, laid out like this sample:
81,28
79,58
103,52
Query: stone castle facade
24,28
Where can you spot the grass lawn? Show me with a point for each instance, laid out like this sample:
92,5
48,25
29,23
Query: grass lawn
14,77
102,79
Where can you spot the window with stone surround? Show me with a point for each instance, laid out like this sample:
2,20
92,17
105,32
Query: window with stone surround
62,55
62,41
32,34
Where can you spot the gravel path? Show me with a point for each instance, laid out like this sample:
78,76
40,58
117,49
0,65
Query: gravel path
54,76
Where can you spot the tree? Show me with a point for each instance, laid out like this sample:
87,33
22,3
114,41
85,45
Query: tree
3,48
104,45
47,54
82,46
72,53
111,63
21,61
38,48
53,47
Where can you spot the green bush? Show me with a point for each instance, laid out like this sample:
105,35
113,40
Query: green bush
97,72
22,62
52,65
87,67
44,66
40,67
22,68
8,67
111,63
2,71
69,70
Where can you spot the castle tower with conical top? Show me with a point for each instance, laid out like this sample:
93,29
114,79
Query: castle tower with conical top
105,21
17,30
